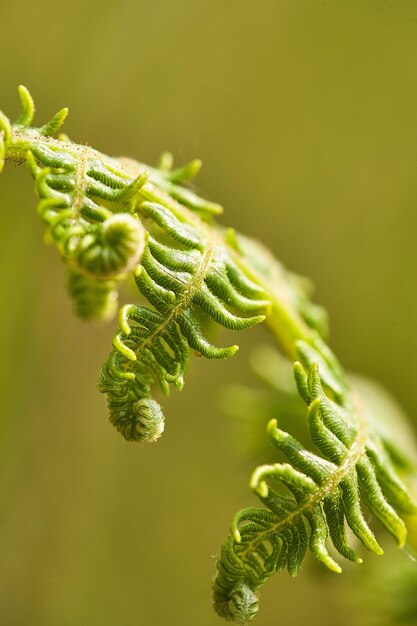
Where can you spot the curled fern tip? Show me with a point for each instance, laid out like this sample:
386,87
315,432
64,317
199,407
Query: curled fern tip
239,606
144,423
112,248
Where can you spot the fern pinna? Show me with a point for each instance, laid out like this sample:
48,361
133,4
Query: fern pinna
325,493
111,218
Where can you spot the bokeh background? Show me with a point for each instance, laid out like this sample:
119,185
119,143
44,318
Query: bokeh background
305,115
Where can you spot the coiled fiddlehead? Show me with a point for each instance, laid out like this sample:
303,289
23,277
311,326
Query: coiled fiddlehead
112,248
111,217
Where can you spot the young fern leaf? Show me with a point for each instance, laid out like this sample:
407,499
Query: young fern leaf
325,494
110,217
113,217
153,346
87,205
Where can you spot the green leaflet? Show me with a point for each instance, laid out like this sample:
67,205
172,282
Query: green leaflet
324,494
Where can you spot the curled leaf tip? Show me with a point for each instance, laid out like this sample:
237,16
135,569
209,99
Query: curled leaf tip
240,606
145,423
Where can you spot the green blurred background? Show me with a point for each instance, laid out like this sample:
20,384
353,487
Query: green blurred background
305,115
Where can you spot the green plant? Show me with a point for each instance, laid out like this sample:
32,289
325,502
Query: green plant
111,218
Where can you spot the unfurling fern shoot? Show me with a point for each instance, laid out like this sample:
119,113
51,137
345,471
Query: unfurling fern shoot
114,218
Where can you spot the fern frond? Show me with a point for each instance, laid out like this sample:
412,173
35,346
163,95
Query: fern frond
180,283
86,201
109,217
325,492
